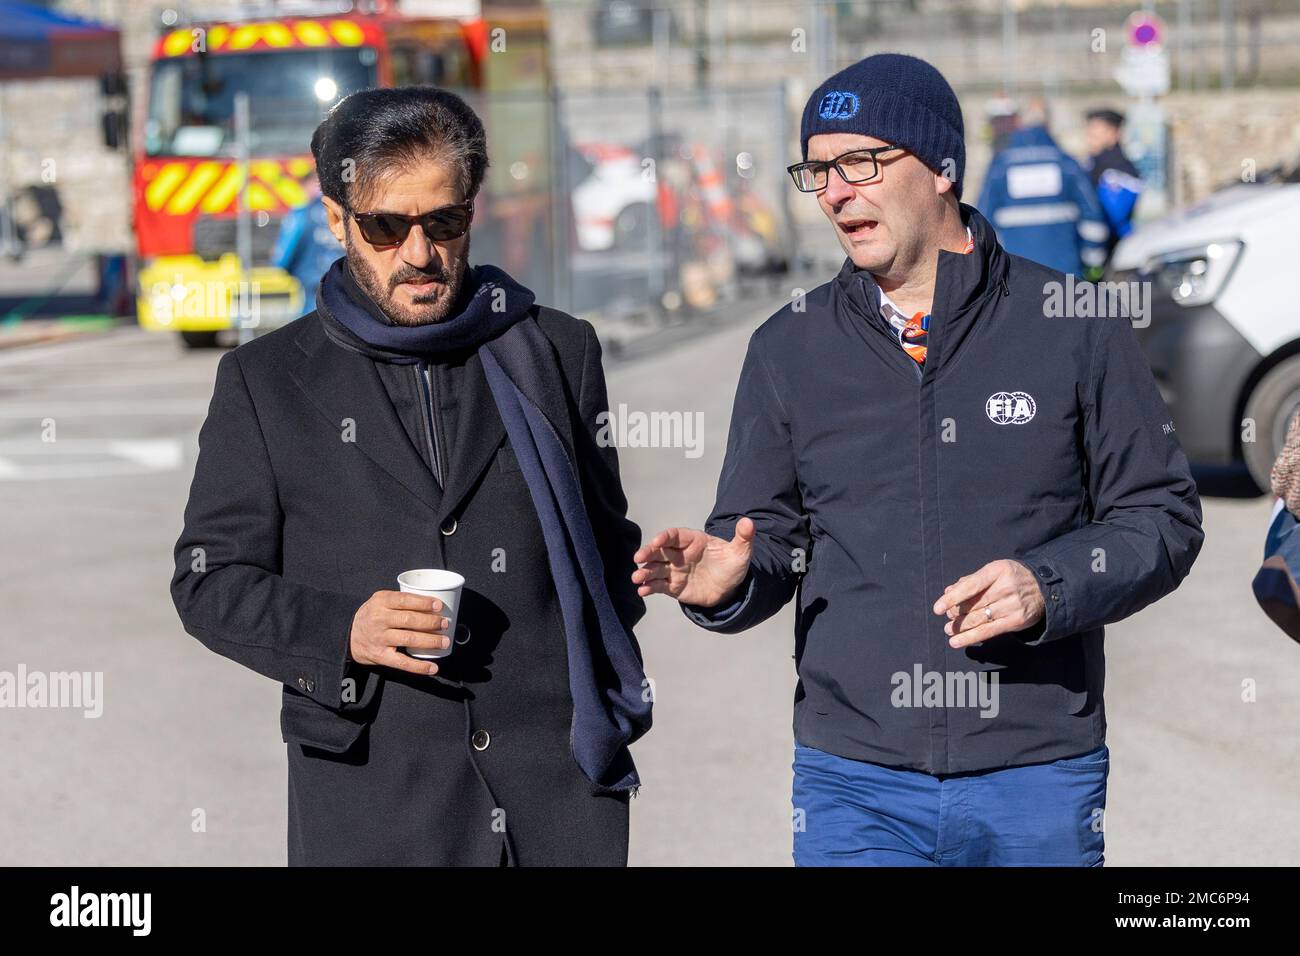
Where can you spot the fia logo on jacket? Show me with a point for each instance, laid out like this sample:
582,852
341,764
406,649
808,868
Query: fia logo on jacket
1010,408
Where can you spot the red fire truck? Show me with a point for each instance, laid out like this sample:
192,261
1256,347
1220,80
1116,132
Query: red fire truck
197,171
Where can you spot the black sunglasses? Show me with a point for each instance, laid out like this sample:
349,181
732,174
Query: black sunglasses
439,225
856,166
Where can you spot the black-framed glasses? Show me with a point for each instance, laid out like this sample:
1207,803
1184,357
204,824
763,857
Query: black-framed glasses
439,225
855,166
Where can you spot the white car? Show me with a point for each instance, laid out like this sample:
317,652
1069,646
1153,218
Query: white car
1224,333
613,203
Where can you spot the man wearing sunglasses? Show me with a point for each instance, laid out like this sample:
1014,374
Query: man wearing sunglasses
429,414
961,485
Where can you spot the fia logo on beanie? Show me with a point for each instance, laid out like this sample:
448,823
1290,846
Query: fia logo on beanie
839,105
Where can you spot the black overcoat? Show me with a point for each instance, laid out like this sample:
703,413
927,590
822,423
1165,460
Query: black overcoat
309,494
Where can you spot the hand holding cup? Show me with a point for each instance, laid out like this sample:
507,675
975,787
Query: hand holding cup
392,620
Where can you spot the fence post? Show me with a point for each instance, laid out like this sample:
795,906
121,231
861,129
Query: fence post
243,224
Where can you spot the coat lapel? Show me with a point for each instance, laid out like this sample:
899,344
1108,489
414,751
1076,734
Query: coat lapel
479,432
345,385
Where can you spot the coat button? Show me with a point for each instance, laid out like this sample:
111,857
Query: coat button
1056,596
462,633
1044,570
481,739
449,527
306,685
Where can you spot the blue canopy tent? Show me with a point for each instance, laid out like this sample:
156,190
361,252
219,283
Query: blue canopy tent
37,42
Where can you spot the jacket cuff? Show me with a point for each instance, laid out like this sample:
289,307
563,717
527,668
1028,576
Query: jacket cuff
713,618
1056,621
322,679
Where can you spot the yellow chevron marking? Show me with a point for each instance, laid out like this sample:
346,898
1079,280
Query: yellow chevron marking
168,178
265,169
223,193
245,36
277,35
259,197
185,198
311,33
290,191
178,42
346,32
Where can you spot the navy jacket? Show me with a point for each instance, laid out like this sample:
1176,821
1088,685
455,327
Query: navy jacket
872,488
1119,187
1043,204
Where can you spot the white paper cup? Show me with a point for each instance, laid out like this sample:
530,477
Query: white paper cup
440,584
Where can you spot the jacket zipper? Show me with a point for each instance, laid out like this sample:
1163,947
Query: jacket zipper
895,344
424,381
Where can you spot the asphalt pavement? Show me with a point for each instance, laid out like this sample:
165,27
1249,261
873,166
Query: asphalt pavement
185,764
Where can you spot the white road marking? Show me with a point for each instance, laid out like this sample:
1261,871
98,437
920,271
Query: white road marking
92,409
152,454
39,461
129,337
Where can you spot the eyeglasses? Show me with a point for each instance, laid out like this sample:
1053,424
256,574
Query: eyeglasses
857,166
439,225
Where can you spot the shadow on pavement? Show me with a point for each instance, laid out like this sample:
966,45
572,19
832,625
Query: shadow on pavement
1225,481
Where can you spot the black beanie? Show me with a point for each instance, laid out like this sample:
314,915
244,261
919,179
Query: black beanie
899,99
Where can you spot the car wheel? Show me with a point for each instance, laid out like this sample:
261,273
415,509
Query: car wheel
199,340
1271,406
631,225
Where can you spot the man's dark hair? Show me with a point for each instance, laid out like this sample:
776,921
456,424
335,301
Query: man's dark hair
1110,117
373,133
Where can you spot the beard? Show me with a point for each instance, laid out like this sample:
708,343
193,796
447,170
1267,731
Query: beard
435,306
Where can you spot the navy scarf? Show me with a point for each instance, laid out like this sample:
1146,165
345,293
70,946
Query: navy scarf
495,315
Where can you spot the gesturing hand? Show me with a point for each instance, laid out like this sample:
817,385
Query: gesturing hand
1006,588
694,567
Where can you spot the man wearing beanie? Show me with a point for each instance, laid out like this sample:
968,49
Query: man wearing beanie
962,489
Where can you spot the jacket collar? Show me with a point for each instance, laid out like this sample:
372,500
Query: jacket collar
1030,136
965,284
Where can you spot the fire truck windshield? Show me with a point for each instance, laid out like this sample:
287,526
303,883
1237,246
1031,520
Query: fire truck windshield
192,98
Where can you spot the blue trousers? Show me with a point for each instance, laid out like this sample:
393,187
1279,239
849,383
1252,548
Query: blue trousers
854,813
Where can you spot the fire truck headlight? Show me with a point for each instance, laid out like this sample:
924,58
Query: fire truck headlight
326,89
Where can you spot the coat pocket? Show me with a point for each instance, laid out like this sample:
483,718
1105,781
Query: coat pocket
303,721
